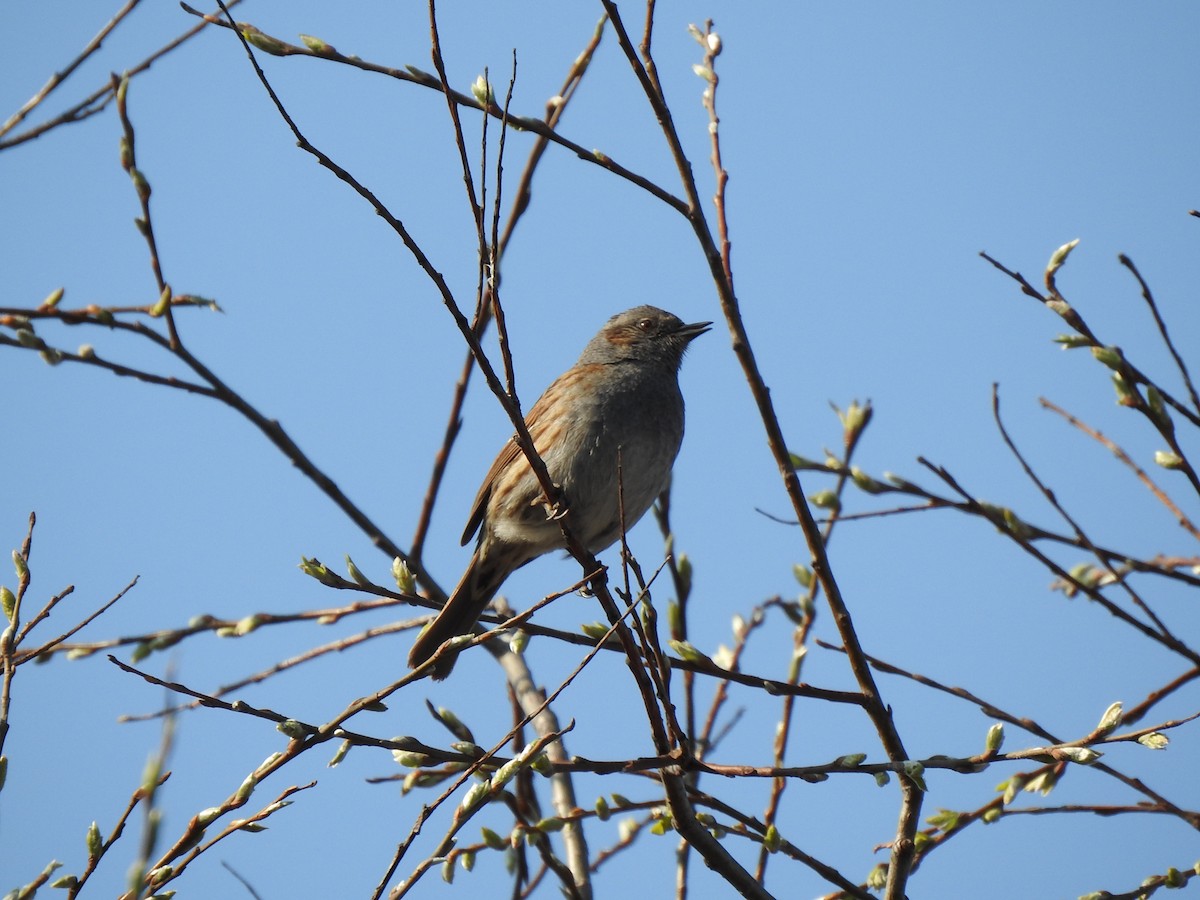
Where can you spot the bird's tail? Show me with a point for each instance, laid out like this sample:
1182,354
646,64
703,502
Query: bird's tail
468,601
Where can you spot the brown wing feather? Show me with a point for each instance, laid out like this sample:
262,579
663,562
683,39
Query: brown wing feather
479,507
538,424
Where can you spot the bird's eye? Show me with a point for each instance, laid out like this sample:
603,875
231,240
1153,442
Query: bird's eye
645,324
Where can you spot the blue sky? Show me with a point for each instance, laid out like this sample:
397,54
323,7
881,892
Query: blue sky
873,151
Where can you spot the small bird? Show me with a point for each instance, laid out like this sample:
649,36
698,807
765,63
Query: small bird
619,405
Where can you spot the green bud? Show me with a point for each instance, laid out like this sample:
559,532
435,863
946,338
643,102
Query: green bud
163,304
374,706
992,814
662,825
316,45
247,625
1010,789
339,755
803,462
1168,459
1155,741
850,760
452,722
595,630
139,652
1109,356
481,90
916,773
1111,718
26,338
1041,784
140,184
52,300
66,882
476,795
493,840
826,499
772,840
315,569
1071,341
865,482
410,759
688,652
855,417
995,737
620,801
1059,257
1062,307
468,748
804,575
550,824
627,829
1173,878
8,601
159,875
518,642
1127,394
405,581
674,618
602,809
944,820
1158,409
684,567
355,575
247,788
1085,756
877,878
94,841
252,827
206,817
263,42
882,778
697,35
291,728
704,72
467,860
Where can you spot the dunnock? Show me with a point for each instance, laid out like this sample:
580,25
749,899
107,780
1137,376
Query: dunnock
618,405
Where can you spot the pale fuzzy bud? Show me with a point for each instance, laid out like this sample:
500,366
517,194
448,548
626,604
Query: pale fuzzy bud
475,796
1060,256
995,737
1168,459
481,90
1154,740
1085,756
1111,718
405,581
355,573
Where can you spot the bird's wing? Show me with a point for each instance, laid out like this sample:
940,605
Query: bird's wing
544,428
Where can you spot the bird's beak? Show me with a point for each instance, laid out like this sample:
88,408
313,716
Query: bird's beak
693,331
